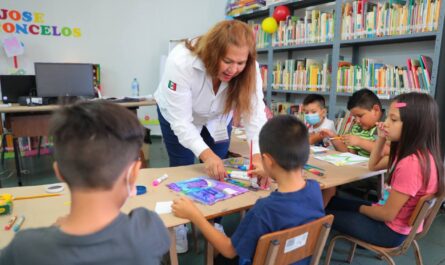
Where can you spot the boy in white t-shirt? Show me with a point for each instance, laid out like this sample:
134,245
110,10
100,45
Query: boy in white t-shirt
315,115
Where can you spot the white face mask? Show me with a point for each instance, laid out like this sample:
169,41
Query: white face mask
130,189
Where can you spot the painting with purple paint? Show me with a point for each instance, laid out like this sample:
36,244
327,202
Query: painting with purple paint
205,190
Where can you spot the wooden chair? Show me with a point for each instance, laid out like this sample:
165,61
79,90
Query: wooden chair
294,244
426,210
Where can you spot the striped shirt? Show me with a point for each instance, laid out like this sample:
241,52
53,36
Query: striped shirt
370,135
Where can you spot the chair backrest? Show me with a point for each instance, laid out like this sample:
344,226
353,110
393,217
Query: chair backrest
294,244
425,211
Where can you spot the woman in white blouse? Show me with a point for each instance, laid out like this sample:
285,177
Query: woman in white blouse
205,80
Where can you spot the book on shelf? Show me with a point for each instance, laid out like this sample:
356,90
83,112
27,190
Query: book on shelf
315,27
385,80
343,123
302,75
262,38
263,72
369,19
280,108
239,7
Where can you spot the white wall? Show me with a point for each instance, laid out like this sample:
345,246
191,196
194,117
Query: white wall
127,38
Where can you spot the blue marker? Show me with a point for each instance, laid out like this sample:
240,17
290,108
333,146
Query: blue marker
243,167
18,224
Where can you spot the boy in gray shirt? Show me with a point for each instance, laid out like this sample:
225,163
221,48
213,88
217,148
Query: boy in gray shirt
96,150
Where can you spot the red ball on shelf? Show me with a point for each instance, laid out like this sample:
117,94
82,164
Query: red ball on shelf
280,13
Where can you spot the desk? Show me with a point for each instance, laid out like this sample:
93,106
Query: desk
29,121
333,175
45,211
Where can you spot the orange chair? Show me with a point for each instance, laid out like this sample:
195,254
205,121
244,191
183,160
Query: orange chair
294,244
426,210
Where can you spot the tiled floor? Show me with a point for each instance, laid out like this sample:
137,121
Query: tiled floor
39,171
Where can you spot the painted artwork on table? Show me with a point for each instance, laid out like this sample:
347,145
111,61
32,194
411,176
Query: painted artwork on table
205,190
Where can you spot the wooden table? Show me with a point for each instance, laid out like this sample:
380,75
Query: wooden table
44,211
333,175
29,121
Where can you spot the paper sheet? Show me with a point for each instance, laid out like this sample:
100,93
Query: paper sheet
163,207
343,159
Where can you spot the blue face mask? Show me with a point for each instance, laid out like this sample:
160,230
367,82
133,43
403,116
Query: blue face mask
312,118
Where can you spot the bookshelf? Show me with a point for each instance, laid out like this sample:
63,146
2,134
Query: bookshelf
354,44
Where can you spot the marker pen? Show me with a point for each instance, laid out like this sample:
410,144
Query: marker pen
243,168
11,222
19,223
158,181
236,174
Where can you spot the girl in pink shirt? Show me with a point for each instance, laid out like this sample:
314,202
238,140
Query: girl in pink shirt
415,168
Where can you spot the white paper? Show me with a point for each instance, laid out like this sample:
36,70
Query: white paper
343,159
217,127
163,207
229,191
13,46
318,149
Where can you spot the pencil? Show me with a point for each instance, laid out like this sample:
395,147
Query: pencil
35,196
250,157
336,138
311,166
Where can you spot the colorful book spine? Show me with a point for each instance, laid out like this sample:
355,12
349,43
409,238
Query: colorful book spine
365,19
301,75
385,80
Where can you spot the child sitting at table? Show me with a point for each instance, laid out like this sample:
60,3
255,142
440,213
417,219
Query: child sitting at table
284,150
96,148
415,168
314,108
366,109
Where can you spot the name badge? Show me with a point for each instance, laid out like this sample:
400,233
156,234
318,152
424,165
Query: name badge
218,128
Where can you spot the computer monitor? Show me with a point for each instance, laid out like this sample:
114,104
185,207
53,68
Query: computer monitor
64,79
15,86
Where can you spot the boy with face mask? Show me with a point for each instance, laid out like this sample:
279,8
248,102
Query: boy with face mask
315,115
96,148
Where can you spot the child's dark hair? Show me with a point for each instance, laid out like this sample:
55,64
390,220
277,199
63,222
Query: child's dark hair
419,136
286,139
94,142
363,98
311,98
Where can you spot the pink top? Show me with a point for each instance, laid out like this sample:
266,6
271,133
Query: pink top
407,179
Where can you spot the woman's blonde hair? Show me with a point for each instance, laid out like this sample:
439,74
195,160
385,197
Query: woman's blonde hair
211,49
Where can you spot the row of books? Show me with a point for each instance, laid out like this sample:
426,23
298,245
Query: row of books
369,19
27,143
302,75
385,79
263,72
279,108
238,7
343,123
263,39
314,27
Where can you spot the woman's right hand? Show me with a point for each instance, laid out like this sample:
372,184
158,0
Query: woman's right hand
213,165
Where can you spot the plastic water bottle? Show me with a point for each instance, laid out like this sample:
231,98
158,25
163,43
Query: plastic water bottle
135,88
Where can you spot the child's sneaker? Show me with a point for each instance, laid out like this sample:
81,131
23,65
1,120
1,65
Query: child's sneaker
181,239
220,228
